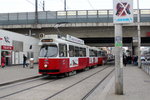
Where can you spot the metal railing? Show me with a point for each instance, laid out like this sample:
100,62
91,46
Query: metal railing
146,67
80,16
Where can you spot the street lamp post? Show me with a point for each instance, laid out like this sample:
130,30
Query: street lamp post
64,5
36,11
139,35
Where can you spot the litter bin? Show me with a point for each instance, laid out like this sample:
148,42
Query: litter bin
31,62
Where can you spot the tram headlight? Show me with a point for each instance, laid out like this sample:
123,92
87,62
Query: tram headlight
45,65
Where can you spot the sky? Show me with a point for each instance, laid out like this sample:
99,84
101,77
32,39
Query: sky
9,6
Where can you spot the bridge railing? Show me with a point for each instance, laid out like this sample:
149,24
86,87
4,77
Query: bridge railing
80,16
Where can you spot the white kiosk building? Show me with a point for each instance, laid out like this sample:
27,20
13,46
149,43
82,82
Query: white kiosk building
14,45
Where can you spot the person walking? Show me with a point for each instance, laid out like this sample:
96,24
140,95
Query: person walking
24,61
135,60
124,60
3,61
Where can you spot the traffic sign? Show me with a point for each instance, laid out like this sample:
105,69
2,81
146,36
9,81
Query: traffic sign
123,11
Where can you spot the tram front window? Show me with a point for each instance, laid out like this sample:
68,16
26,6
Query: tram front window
49,51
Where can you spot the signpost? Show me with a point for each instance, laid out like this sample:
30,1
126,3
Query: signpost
122,13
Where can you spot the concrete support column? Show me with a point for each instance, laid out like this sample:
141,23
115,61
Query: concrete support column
118,60
135,50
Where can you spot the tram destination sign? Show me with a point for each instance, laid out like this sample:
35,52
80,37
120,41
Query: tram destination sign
74,39
123,11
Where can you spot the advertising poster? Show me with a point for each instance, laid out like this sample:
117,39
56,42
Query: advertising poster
74,62
123,11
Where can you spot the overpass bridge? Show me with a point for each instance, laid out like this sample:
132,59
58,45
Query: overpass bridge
94,26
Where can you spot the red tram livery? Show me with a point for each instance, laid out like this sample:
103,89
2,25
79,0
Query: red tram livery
66,55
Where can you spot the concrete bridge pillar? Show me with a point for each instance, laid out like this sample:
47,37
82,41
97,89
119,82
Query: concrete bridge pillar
135,50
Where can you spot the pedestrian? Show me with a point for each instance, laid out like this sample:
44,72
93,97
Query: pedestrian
129,59
135,60
27,62
3,61
24,61
124,60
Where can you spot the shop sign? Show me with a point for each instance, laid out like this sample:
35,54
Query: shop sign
4,47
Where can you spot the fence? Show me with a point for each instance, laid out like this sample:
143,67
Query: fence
80,16
146,67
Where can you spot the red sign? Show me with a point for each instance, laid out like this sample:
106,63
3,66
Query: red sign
4,47
1,38
148,34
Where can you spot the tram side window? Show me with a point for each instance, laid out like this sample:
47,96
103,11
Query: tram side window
99,53
103,53
71,51
82,52
91,53
76,51
95,53
62,50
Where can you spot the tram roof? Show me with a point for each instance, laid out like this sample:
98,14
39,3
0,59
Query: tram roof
65,38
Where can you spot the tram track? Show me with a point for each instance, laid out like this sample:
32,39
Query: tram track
97,85
20,82
42,84
26,89
55,94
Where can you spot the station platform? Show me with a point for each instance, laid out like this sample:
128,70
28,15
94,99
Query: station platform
136,85
136,82
11,74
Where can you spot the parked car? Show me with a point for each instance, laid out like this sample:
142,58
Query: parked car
110,57
143,58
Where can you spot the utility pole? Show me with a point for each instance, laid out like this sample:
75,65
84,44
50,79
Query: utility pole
122,14
36,11
43,5
64,5
139,36
118,60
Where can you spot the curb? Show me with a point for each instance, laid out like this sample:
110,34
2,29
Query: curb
12,82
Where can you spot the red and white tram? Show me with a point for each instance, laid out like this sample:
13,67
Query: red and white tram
102,57
65,55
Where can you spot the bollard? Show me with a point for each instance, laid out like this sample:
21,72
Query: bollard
31,62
